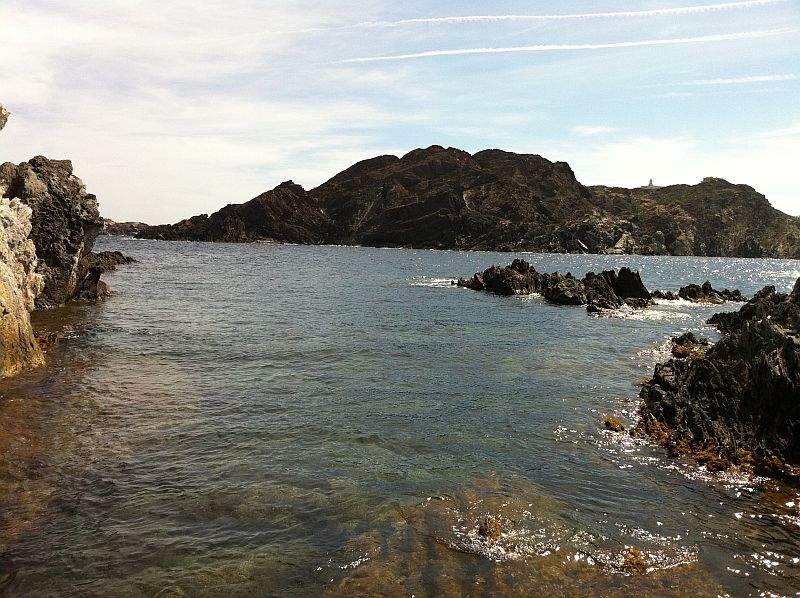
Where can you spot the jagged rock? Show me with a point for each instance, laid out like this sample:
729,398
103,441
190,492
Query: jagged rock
667,295
65,222
705,293
4,114
19,286
607,290
737,401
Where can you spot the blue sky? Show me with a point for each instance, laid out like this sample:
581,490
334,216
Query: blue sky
171,108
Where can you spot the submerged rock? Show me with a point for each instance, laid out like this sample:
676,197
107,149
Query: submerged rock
19,286
738,401
607,290
65,222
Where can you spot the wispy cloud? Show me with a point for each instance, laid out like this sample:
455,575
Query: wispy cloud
455,20
737,80
574,47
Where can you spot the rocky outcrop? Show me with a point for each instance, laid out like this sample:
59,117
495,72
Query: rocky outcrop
4,114
19,287
738,401
127,229
494,200
65,222
704,293
607,290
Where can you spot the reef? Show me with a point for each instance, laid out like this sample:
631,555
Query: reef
736,402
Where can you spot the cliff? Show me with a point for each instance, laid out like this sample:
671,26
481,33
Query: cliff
494,200
19,284
65,222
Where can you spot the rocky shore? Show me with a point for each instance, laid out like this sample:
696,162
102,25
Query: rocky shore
736,402
49,225
446,198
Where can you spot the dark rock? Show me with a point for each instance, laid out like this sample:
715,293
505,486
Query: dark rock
737,401
128,229
520,278
565,290
705,293
667,295
65,222
597,291
628,285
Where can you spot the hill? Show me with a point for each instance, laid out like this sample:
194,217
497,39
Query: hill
495,200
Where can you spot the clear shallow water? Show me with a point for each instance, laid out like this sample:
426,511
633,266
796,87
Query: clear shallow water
282,420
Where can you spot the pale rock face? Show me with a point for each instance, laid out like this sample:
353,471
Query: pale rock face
19,286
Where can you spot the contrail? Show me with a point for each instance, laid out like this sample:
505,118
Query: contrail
738,80
499,18
567,47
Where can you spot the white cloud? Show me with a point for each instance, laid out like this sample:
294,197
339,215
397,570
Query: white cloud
461,19
742,35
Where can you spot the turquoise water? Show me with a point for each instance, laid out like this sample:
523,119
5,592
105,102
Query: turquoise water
245,420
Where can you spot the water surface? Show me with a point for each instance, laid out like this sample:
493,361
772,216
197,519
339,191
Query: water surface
247,420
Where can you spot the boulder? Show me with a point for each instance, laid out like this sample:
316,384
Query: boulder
65,222
738,401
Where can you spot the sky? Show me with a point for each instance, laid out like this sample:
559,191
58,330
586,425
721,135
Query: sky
170,108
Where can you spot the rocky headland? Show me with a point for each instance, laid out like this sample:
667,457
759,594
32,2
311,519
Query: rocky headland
737,401
49,225
495,200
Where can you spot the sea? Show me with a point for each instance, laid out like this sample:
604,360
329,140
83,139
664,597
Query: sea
282,420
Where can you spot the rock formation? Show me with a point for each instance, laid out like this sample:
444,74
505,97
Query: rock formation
19,287
19,284
128,229
607,290
496,200
737,401
704,293
65,222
